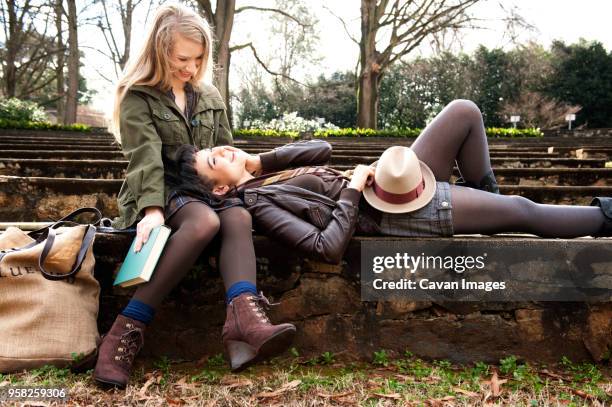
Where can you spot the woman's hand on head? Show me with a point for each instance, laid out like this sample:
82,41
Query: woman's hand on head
362,175
154,216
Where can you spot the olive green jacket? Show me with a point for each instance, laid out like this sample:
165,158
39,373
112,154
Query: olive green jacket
152,128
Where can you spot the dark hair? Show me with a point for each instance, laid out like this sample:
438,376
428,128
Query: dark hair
183,177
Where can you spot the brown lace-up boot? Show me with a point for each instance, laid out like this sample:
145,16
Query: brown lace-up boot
249,336
118,350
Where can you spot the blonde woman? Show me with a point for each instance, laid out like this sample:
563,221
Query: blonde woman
165,99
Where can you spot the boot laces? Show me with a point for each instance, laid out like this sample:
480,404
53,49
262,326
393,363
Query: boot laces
132,341
256,305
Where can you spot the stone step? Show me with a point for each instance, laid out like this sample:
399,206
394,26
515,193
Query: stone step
50,147
115,169
542,148
391,142
337,159
42,150
377,153
43,142
53,134
63,154
514,162
37,167
324,302
388,141
27,199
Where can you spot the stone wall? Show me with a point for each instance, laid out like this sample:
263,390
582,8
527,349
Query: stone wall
324,302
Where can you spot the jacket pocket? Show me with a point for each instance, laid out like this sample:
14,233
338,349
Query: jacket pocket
168,125
203,124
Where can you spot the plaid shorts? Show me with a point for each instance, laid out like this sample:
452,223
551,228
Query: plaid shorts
434,219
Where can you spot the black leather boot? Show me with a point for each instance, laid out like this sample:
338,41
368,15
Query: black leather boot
487,183
605,204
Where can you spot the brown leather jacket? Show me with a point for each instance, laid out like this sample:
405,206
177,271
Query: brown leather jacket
314,224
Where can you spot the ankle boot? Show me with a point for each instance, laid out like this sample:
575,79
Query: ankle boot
249,336
487,183
117,351
605,204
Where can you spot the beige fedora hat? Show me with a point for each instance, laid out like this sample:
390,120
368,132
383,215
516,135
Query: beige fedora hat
402,183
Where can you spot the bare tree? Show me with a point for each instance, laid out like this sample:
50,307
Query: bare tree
406,24
538,110
298,40
73,64
28,47
222,20
118,54
59,69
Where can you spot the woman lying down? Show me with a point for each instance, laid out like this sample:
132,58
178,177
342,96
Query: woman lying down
316,209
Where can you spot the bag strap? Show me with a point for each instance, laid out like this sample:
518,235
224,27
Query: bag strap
85,243
47,234
70,217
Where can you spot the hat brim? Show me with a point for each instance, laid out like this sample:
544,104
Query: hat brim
428,193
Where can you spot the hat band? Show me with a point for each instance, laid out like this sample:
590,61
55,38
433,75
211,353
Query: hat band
399,199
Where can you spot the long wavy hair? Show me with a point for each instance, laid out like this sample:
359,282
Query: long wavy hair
151,65
184,177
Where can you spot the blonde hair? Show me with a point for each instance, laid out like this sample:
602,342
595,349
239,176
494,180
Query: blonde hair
151,65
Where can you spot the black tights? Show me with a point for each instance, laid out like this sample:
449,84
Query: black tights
194,226
457,134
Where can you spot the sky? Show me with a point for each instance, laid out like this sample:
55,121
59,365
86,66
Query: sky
552,19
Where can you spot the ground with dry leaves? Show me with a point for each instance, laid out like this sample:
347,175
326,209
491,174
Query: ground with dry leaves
324,380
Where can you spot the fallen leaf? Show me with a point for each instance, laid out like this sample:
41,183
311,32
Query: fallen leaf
465,392
174,402
444,401
582,394
553,375
335,396
404,377
143,390
496,384
233,382
393,396
285,388
431,379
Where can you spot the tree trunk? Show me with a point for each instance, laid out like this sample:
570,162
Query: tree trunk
367,102
73,65
12,45
60,62
127,33
224,22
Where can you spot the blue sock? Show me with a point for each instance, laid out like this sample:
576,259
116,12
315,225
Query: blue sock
139,311
238,288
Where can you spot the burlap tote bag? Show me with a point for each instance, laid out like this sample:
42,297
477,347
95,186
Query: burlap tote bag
48,296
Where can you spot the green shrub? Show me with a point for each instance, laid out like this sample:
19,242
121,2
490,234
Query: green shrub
264,133
30,125
21,110
408,132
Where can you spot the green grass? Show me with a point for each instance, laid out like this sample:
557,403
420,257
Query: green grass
293,381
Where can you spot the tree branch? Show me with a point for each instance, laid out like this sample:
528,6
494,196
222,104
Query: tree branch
274,10
343,25
265,67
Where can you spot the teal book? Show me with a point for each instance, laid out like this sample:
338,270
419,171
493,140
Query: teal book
138,267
